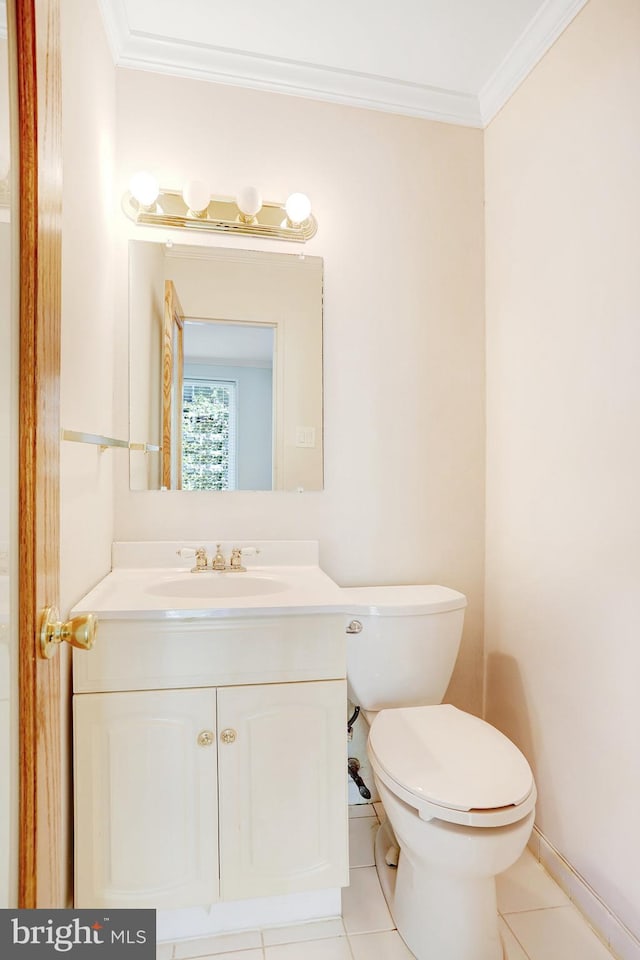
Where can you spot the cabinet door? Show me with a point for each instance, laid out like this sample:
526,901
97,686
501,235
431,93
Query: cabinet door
282,788
145,799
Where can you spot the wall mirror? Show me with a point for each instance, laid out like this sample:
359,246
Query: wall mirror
225,369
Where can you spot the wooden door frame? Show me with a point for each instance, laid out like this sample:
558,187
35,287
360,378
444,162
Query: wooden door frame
172,380
42,868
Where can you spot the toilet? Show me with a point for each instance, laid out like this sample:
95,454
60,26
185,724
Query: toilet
458,795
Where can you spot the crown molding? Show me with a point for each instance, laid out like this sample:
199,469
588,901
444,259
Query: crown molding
138,50
116,25
530,47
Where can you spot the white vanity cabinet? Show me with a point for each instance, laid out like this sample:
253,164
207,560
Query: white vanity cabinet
282,788
223,791
146,827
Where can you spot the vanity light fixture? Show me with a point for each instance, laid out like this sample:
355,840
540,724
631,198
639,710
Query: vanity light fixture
196,195
144,189
249,201
298,208
194,208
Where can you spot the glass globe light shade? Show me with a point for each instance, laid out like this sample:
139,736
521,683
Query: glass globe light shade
144,187
196,195
298,207
249,201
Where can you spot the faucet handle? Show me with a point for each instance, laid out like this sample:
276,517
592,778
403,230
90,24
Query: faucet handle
250,551
235,563
238,553
186,553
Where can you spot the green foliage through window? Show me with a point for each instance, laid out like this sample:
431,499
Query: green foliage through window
208,435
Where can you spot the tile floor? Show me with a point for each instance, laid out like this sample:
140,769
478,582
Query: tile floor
537,919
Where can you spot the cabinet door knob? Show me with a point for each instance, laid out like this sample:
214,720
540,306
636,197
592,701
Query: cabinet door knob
228,735
205,738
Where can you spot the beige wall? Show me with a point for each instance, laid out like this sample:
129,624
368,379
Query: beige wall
563,472
146,305
86,374
399,205
88,335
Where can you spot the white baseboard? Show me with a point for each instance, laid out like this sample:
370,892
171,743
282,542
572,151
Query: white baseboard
247,915
620,940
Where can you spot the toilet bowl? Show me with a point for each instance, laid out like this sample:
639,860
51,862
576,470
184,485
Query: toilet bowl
458,795
459,799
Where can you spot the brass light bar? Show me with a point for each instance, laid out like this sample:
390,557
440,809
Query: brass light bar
221,216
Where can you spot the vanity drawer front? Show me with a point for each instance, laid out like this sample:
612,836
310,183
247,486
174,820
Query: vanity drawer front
155,655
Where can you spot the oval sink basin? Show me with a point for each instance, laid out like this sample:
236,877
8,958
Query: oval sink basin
214,586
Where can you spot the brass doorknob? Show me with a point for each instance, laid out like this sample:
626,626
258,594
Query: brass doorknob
80,632
229,735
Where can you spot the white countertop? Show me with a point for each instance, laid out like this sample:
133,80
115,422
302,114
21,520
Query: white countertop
139,593
149,582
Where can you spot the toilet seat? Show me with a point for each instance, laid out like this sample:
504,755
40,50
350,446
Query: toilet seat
450,765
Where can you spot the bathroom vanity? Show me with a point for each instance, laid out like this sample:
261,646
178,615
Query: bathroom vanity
210,732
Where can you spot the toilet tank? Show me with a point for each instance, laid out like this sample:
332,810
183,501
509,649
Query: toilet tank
402,644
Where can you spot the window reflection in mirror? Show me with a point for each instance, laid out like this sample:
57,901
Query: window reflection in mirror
225,369
228,380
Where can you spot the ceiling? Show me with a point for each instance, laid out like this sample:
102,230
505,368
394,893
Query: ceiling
451,60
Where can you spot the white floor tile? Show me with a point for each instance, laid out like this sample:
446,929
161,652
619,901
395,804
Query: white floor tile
361,810
362,833
513,950
528,886
219,945
335,949
364,909
317,930
241,955
539,923
559,933
380,946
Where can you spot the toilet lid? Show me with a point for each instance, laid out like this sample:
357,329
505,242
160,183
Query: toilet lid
449,758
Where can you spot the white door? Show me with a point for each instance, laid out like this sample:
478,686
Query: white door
145,799
282,788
